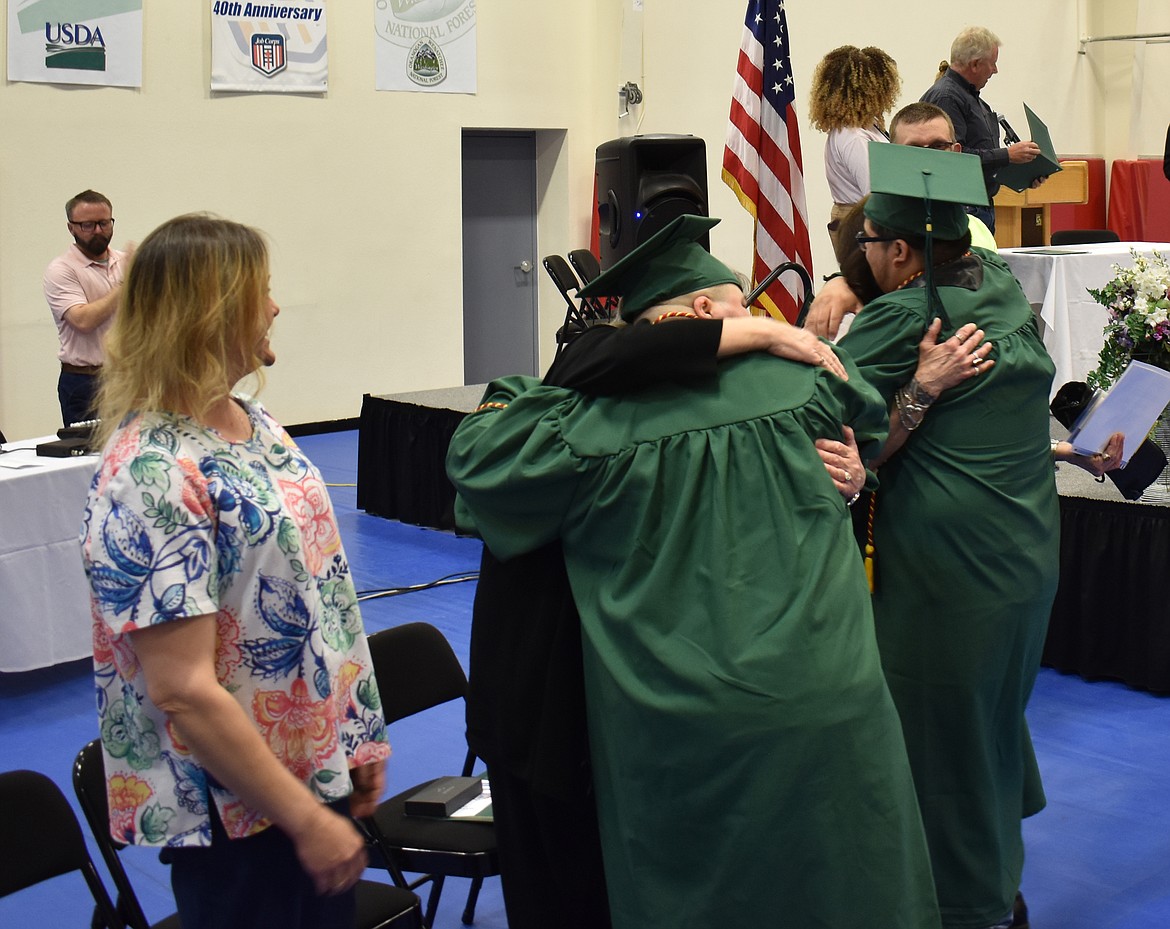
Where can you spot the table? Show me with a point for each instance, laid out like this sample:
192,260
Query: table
44,596
402,451
1055,281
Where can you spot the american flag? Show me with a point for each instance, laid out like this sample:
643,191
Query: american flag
761,162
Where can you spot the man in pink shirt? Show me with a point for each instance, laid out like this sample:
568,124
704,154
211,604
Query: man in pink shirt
83,287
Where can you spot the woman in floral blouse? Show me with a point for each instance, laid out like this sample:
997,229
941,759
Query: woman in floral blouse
240,718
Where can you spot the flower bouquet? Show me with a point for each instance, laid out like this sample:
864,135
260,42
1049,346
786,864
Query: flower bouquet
1138,301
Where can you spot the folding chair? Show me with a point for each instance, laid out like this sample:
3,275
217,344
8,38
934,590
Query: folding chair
1083,236
585,263
379,906
417,670
41,838
576,320
588,267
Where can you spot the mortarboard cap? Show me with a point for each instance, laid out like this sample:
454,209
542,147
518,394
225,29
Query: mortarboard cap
920,192
909,184
670,263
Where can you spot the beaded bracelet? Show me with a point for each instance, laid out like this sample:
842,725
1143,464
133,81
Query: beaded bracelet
912,403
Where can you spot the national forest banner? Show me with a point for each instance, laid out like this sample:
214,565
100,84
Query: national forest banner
75,42
427,46
269,47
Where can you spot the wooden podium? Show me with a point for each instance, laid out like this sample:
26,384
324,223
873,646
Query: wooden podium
1025,218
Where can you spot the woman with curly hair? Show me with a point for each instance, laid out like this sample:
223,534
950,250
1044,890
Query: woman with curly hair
852,91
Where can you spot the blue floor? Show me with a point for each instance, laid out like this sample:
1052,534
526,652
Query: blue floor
1098,856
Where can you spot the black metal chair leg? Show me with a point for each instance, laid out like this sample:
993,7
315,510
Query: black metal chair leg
433,898
472,898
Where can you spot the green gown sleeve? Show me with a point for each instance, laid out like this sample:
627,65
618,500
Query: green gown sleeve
883,340
515,478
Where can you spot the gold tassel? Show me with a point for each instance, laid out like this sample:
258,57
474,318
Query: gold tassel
870,550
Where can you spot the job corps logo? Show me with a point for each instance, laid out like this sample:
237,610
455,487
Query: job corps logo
268,53
423,27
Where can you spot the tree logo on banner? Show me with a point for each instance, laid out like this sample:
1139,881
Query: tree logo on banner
423,27
268,53
426,64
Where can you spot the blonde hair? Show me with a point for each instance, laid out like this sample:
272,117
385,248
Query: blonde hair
191,313
852,87
973,43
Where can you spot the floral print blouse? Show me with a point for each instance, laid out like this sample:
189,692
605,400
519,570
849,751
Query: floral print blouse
180,522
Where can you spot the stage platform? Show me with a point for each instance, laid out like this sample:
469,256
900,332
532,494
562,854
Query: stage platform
1109,620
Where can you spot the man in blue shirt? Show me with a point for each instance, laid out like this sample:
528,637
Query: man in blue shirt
974,59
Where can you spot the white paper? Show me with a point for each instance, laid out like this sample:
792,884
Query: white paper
1130,406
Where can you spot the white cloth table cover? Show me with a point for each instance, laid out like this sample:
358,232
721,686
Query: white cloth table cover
1056,281
44,597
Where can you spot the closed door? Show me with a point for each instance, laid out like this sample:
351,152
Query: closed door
499,255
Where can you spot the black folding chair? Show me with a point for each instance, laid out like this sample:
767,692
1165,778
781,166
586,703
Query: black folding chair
379,906
588,267
1083,236
41,838
585,263
578,318
417,670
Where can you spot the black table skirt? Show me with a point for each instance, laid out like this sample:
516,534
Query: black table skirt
402,450
1110,619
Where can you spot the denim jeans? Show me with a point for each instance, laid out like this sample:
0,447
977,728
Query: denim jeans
76,395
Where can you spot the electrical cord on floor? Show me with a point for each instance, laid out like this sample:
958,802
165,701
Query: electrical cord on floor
461,577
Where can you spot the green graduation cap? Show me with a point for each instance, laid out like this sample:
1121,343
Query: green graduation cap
670,263
921,192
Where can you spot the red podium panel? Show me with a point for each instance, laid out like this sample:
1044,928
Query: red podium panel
1089,215
1139,200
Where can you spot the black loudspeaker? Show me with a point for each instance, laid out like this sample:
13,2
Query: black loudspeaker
643,182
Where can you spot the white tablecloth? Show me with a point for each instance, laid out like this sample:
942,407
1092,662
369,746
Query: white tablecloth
1055,281
44,597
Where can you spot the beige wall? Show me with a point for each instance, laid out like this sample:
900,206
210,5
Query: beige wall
358,190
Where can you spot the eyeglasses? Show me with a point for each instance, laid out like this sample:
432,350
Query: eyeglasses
939,146
88,226
863,240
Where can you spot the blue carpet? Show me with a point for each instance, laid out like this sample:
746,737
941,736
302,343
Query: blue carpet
1096,856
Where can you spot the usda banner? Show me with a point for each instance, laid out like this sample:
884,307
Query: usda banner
425,45
269,47
75,42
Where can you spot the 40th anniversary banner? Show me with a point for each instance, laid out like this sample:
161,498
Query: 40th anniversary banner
427,46
278,47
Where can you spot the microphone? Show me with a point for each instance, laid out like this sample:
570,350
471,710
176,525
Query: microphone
1009,134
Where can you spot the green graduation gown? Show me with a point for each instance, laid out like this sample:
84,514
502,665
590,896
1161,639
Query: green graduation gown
748,760
967,553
